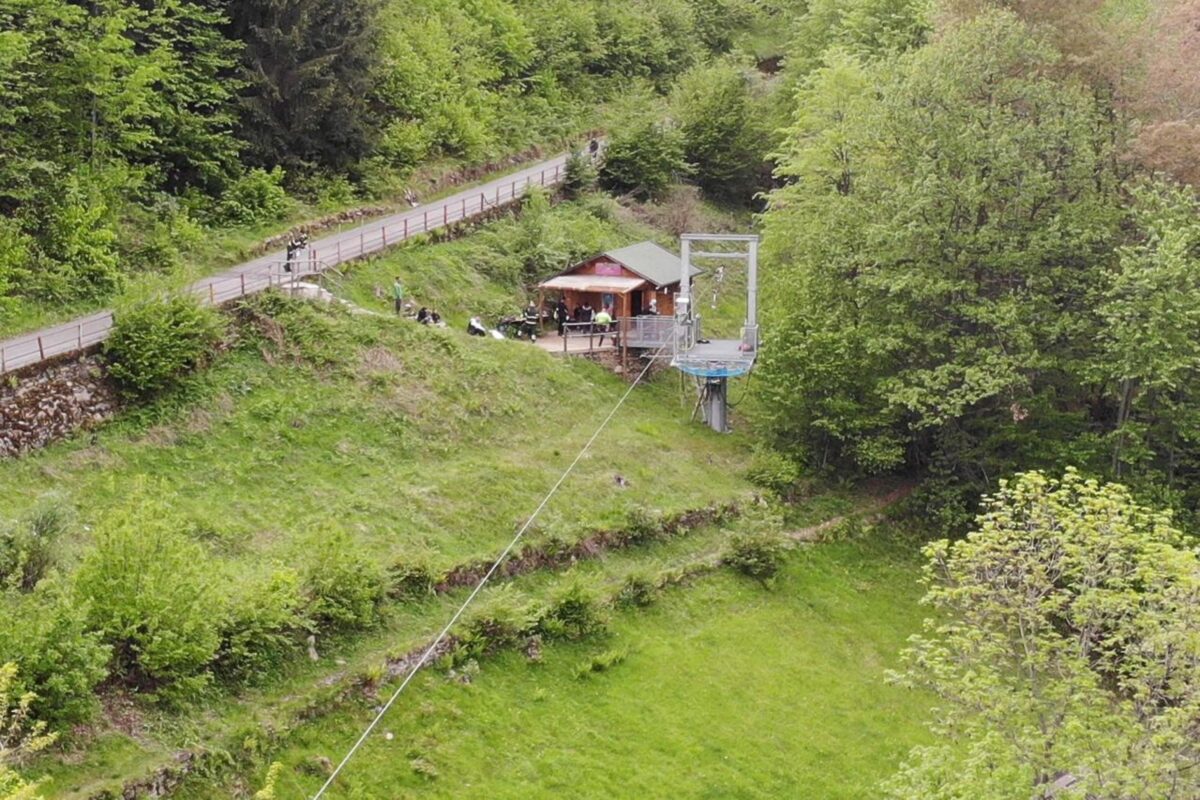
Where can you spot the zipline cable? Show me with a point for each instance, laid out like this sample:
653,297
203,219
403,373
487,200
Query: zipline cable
425,656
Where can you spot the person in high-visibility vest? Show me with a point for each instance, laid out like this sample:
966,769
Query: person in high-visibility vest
603,322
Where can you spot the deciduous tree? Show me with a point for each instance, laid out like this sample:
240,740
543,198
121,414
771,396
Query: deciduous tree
1065,651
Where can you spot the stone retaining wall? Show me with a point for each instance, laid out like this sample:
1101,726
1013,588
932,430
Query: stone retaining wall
42,405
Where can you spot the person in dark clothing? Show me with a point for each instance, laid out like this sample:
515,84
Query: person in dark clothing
560,316
423,316
476,327
588,314
529,322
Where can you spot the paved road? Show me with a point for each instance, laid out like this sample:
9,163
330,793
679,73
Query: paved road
330,251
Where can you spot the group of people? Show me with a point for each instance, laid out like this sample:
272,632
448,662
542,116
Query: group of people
425,316
584,315
429,316
528,322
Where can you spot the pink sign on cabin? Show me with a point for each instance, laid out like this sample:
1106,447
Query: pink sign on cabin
608,268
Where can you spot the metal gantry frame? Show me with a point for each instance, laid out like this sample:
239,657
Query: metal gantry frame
713,363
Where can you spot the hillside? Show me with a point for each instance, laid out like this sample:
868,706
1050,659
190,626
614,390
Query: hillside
327,465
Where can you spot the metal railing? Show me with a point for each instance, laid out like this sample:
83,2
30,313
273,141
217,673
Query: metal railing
750,339
591,331
646,331
330,251
686,335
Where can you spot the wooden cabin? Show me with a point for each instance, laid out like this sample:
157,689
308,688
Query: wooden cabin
624,280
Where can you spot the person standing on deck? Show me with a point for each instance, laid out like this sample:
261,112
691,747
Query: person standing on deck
603,323
561,315
398,295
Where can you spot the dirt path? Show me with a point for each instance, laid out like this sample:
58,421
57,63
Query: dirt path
882,501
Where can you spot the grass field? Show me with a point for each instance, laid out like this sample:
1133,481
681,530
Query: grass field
426,444
727,691
419,443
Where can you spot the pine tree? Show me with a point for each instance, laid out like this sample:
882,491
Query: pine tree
308,67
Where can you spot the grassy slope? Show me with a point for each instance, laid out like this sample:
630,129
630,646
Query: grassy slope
415,440
424,438
728,691
418,439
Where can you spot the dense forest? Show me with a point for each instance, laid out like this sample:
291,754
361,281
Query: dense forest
986,256
131,130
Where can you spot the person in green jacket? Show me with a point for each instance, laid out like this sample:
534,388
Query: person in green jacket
398,296
603,322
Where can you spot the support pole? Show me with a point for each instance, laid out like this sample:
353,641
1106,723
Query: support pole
752,287
716,410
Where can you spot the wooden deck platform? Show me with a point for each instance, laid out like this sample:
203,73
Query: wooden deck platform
575,345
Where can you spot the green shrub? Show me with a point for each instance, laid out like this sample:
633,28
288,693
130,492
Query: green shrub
643,526
76,255
643,160
267,792
15,247
638,590
29,546
150,595
45,633
574,612
757,554
722,135
580,177
602,662
503,619
775,472
404,145
258,196
411,577
343,586
261,626
21,735
155,342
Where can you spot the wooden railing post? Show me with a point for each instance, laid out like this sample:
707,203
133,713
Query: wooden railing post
81,336
212,295
41,349
383,234
445,215
406,229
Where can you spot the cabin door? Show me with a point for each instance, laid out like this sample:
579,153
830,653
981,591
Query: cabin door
635,304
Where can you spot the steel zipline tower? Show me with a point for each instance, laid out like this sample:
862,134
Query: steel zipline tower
714,362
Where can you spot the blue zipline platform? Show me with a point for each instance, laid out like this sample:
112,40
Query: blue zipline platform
715,362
